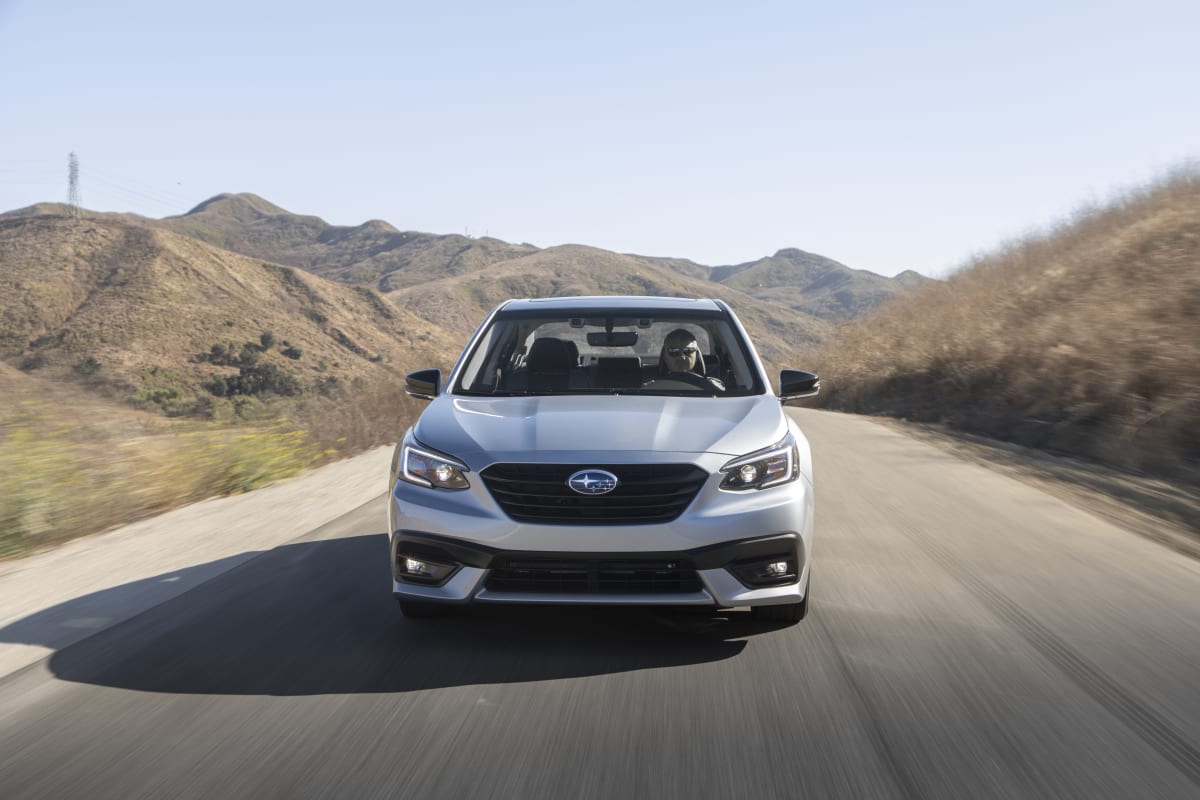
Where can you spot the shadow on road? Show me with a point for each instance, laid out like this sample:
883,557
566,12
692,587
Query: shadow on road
318,618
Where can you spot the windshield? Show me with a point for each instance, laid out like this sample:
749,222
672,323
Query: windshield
656,352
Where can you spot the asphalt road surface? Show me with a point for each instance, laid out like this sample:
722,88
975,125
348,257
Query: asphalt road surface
969,637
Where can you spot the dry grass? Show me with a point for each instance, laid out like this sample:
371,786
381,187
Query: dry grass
57,482
60,479
361,417
1085,339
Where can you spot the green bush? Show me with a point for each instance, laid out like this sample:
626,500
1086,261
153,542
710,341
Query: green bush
255,381
88,365
328,385
248,357
173,401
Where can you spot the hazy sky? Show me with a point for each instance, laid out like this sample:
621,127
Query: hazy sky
885,135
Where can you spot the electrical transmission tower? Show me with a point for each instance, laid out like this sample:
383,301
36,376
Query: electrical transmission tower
73,186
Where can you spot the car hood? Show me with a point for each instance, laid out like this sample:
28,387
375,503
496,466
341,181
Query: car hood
532,427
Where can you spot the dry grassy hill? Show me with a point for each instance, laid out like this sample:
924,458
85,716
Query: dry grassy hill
1085,340
377,254
371,254
815,285
158,317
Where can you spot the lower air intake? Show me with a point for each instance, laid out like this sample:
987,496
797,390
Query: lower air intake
556,576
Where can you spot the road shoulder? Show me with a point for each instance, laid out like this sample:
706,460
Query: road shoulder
1162,511
55,598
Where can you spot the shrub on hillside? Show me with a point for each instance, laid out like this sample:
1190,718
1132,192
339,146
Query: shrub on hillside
255,381
87,366
249,354
172,401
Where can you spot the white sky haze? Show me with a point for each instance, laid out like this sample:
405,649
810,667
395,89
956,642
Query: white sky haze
887,136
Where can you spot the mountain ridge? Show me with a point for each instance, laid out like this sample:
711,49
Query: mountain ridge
378,253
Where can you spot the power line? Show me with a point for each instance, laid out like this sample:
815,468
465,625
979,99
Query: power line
29,168
148,190
174,205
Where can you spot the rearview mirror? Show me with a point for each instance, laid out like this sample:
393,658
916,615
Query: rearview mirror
423,384
612,339
796,384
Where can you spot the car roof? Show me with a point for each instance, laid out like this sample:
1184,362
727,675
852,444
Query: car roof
617,303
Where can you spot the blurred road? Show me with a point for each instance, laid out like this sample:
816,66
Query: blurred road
969,637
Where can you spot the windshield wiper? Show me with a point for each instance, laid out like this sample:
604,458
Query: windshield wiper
663,392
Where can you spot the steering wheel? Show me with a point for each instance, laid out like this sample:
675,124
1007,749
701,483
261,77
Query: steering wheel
690,378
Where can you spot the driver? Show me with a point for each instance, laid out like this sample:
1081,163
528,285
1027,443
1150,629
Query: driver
681,353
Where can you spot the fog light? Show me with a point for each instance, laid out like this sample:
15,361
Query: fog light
417,570
773,571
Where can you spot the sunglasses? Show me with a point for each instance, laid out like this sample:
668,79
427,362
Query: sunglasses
682,352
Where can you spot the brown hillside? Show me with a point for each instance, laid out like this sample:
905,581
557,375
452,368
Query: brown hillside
376,254
372,254
815,285
109,303
1084,340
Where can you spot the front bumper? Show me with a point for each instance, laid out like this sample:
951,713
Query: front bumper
717,532
715,567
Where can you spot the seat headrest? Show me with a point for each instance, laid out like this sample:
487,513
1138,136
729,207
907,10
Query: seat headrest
549,355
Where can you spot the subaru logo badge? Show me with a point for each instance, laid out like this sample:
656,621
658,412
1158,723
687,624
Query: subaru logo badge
592,482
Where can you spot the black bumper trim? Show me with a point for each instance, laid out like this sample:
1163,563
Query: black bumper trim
713,556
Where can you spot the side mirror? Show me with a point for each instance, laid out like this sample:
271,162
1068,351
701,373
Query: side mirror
796,384
423,384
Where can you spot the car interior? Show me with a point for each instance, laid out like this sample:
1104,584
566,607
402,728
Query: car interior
550,356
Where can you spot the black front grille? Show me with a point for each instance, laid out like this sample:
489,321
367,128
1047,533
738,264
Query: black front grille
587,576
646,493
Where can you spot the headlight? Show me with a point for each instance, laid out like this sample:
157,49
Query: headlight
425,467
777,464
